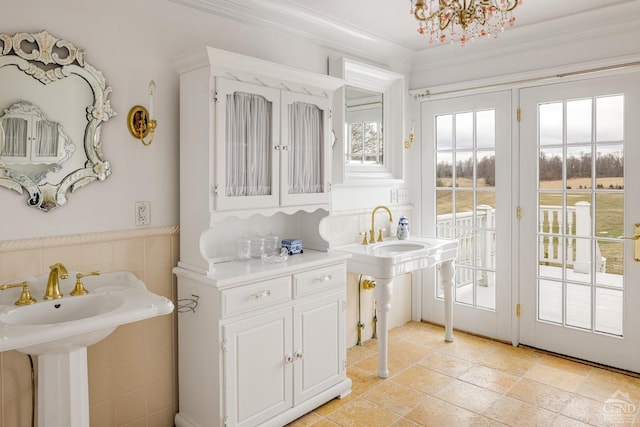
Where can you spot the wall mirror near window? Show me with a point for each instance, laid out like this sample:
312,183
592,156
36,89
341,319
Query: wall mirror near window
371,108
52,106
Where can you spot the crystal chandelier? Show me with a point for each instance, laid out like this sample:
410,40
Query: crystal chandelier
462,20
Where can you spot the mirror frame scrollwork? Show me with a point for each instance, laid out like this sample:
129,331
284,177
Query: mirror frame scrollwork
48,60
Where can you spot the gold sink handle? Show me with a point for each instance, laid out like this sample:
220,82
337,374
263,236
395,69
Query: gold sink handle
79,288
25,296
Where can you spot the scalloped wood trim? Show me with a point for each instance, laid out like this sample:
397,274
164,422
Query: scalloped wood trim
78,239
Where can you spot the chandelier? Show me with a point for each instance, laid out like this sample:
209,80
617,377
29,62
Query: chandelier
462,20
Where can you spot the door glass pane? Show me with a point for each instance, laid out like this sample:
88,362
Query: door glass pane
486,129
464,169
581,214
578,306
485,293
486,169
444,132
550,168
610,118
464,130
444,169
579,121
550,301
550,123
464,285
609,311
610,167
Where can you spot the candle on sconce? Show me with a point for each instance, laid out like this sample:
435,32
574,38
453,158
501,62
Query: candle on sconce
413,125
152,90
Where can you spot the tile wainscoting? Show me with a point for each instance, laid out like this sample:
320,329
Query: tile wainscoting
132,372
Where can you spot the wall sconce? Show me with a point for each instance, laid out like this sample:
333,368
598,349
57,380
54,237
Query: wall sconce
140,121
409,143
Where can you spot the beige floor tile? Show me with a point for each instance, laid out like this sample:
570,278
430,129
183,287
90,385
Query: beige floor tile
361,380
563,421
395,365
394,396
600,390
517,413
468,396
363,412
489,378
555,377
513,360
408,351
438,413
334,405
358,353
422,379
596,413
539,394
445,364
307,420
565,364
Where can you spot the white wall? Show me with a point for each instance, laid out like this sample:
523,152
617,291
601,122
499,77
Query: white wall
132,42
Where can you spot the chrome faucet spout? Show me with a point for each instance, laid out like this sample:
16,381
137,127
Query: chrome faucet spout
373,231
57,271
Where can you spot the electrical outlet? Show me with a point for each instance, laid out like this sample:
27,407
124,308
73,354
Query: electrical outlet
403,195
143,213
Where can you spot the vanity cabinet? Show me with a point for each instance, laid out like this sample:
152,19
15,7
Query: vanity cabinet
263,347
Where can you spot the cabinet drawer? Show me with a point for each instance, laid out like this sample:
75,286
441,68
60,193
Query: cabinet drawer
317,280
256,295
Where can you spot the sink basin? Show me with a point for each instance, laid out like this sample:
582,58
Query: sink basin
62,310
63,324
397,247
390,258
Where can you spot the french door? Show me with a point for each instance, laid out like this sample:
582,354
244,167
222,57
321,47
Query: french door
467,196
580,193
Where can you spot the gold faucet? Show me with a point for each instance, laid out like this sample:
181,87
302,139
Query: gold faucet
25,296
373,231
79,288
53,285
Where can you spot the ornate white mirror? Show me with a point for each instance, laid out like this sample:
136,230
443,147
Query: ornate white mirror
52,106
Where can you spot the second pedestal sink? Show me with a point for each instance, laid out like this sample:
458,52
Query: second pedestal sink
60,330
386,260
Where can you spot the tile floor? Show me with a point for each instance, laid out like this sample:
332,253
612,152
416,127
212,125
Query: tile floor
475,382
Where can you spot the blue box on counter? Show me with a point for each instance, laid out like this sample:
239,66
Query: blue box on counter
293,246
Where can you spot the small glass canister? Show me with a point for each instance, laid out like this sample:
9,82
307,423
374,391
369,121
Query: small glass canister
243,248
257,246
271,244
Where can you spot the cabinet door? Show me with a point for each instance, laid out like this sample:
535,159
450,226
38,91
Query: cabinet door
257,368
306,151
247,132
319,346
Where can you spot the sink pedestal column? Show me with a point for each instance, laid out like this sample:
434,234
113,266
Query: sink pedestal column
63,389
383,294
447,273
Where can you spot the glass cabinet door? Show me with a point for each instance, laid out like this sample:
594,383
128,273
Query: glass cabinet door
247,132
305,149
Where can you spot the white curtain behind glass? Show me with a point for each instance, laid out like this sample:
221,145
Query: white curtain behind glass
248,145
15,137
46,139
305,148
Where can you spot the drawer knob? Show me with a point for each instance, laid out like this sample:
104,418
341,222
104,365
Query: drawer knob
289,359
324,278
262,294
298,355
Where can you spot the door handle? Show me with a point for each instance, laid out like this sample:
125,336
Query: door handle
636,242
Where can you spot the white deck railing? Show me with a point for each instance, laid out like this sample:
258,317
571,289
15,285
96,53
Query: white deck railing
551,249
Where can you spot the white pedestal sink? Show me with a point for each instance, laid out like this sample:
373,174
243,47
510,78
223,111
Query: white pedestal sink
386,260
59,332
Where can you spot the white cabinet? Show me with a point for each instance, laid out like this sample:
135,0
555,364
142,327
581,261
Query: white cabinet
272,147
261,344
